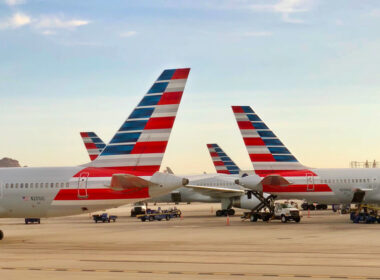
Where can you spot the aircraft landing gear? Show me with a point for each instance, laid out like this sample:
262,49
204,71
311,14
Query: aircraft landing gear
225,212
1,235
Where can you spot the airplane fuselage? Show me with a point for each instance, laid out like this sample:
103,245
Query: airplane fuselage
60,191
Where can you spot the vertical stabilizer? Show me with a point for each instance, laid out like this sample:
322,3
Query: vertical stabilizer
222,162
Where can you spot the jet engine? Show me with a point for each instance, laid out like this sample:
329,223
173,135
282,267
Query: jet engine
244,202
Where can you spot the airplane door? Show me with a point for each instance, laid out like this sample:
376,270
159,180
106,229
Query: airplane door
309,182
82,185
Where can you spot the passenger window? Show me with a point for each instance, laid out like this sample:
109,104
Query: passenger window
21,185
46,185
11,186
57,185
31,185
67,185
26,185
62,185
52,185
16,186
6,186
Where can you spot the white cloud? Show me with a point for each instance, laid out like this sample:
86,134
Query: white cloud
286,8
14,2
128,34
257,34
16,21
55,22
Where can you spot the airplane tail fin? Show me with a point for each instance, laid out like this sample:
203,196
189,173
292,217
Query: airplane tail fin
94,145
140,143
222,162
266,151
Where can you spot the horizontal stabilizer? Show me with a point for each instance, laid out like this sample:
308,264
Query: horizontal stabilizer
217,191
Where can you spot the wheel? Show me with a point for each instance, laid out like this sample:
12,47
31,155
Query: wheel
26,222
1,235
283,219
167,217
108,220
266,218
253,218
151,218
297,220
39,221
218,213
143,219
96,221
231,212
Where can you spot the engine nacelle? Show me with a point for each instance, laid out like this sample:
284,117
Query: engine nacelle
252,182
244,202
163,183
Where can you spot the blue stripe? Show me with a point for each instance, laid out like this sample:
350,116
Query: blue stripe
254,118
100,146
272,142
166,75
266,133
225,158
158,87
279,150
259,125
233,171
141,113
91,134
117,150
150,100
126,137
232,167
96,140
133,125
287,158
247,109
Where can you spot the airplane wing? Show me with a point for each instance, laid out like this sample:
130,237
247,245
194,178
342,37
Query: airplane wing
217,192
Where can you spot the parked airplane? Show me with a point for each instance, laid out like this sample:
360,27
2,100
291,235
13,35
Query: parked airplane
269,156
126,171
202,188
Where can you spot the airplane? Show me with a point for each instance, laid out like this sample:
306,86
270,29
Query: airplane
270,157
126,171
201,188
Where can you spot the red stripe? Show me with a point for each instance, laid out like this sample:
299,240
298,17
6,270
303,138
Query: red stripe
286,173
170,98
237,109
253,141
218,163
92,157
84,134
245,125
149,147
223,171
214,154
296,188
96,194
181,73
90,146
160,123
209,146
146,170
262,158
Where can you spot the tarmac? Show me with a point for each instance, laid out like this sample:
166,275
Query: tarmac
325,245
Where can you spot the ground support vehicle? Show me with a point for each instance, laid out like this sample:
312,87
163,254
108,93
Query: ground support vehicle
32,221
367,214
281,211
138,210
158,215
104,218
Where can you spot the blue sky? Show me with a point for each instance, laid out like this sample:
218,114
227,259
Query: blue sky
307,67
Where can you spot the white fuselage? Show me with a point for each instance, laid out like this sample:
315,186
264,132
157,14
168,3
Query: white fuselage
58,191
330,186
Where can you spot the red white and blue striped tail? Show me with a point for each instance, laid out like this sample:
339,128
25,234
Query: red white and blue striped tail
94,145
140,143
222,162
266,151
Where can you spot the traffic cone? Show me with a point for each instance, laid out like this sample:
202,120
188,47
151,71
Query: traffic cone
181,217
228,220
